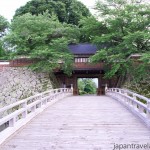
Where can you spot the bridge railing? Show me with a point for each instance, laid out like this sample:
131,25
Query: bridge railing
19,113
136,103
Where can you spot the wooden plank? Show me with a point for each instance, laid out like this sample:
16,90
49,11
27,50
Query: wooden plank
80,123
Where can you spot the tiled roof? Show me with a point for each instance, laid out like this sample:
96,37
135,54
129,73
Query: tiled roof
85,48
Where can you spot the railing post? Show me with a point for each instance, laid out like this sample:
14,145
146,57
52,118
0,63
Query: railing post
125,97
33,109
12,122
119,91
134,96
125,93
134,104
64,93
141,109
106,88
71,87
60,93
24,114
148,110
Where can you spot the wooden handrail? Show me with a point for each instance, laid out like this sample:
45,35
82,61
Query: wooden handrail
136,103
23,111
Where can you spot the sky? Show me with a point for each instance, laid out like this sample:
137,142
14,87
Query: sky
8,7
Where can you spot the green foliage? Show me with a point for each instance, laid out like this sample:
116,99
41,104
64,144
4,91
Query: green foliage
86,86
90,28
123,26
146,58
3,26
1,50
3,54
141,87
68,11
43,39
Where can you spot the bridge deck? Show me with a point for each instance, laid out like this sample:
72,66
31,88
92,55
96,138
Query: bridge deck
80,123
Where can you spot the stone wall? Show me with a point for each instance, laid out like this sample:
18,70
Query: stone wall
18,83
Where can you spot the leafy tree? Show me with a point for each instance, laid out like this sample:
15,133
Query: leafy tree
3,26
2,52
123,27
43,39
86,86
91,28
68,11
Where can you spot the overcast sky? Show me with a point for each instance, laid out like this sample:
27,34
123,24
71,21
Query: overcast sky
8,7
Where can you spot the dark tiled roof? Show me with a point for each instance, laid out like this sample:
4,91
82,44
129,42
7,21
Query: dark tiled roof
83,49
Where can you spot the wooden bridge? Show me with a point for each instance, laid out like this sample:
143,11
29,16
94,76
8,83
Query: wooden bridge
118,120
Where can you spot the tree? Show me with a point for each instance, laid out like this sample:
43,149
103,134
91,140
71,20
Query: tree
44,39
68,11
123,27
3,26
86,86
